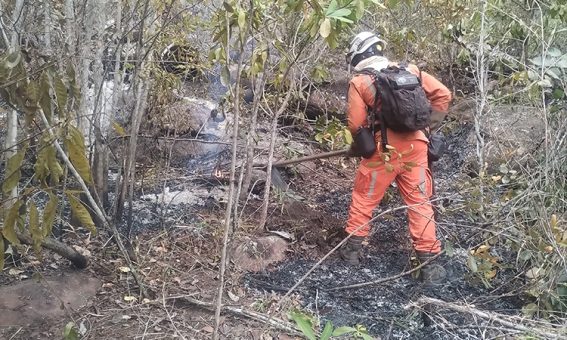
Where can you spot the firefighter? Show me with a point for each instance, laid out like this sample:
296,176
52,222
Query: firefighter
375,174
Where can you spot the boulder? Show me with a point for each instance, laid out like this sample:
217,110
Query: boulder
256,254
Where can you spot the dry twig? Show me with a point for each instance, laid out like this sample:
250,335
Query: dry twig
514,323
240,311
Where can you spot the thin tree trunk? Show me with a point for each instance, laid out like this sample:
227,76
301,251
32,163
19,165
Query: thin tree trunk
141,95
481,69
12,117
274,129
137,120
85,51
117,82
101,118
47,27
16,15
229,205
232,187
70,28
11,139
258,93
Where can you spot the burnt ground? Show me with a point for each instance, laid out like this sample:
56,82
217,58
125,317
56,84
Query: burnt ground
385,310
177,246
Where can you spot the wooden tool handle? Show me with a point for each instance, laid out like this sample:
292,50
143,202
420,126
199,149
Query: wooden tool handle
307,158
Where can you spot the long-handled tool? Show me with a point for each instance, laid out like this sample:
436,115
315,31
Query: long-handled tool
277,180
304,159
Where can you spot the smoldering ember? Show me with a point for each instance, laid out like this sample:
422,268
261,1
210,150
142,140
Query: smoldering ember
322,169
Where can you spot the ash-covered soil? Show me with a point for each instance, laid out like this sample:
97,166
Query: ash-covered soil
388,310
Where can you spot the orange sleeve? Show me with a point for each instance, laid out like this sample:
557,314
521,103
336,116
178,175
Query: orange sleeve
438,94
360,98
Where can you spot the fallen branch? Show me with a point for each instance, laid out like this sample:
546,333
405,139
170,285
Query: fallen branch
387,279
240,311
501,319
57,247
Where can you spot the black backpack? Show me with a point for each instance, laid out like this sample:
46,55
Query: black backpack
404,104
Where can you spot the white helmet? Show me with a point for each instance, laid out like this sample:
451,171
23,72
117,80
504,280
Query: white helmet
361,43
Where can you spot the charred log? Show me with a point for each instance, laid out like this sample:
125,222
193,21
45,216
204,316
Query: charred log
78,260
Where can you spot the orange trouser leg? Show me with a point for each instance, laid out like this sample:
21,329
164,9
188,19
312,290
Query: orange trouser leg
370,184
416,187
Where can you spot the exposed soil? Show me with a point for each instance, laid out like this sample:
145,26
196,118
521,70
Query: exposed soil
33,301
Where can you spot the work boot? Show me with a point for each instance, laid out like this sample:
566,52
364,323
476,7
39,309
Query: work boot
350,251
432,273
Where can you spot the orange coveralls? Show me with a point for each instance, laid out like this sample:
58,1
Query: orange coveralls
410,172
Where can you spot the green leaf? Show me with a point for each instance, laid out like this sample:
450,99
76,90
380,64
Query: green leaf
35,231
241,19
366,336
343,19
327,331
325,28
13,170
449,248
410,164
49,214
304,324
471,263
75,145
332,7
392,3
12,60
55,168
225,76
70,332
558,93
118,129
554,52
343,330
44,96
530,309
348,137
227,7
61,94
9,229
377,2
41,165
343,12
82,214
32,92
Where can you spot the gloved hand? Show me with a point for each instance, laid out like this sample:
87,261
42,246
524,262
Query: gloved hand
352,151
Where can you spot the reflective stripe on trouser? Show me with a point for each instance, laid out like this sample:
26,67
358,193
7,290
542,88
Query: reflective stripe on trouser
415,185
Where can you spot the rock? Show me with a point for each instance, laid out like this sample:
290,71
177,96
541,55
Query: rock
257,254
510,132
32,302
463,110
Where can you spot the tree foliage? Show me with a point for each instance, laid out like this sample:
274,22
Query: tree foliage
33,93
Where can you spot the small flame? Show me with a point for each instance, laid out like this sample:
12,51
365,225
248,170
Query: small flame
218,173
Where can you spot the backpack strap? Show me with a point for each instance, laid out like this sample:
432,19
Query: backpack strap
374,109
